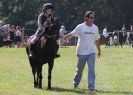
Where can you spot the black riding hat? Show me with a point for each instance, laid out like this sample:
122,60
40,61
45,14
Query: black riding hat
48,6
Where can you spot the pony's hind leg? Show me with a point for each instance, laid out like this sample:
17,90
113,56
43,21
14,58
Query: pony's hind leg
35,82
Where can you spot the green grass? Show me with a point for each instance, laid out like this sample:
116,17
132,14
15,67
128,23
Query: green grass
114,74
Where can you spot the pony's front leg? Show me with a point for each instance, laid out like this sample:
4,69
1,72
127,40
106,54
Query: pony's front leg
50,67
34,72
40,77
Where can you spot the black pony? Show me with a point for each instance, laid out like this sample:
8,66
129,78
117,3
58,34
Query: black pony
45,50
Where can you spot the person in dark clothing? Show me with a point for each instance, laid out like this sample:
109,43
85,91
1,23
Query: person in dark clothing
12,34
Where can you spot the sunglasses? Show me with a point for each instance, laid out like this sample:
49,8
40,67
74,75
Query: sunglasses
91,17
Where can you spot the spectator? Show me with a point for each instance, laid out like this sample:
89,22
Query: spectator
1,29
106,36
124,29
1,34
62,32
105,32
131,28
115,40
18,38
1,22
12,35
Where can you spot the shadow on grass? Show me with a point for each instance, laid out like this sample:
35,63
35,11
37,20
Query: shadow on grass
110,92
115,92
57,89
85,91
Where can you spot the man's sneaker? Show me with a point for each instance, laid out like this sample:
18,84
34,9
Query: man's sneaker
92,92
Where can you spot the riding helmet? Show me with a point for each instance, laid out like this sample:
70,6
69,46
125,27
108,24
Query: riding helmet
48,6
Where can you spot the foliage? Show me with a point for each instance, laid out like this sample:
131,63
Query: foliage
20,12
112,13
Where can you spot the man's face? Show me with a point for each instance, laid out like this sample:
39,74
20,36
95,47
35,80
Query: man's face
90,19
49,12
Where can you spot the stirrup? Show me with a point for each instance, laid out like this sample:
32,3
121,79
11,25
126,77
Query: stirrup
31,54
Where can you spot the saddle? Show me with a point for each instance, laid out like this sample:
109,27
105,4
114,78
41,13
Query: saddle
33,42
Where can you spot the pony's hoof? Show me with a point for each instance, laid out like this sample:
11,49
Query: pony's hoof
49,88
39,87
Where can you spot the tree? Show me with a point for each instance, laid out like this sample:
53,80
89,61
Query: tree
112,13
20,12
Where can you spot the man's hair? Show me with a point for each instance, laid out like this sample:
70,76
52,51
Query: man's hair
87,14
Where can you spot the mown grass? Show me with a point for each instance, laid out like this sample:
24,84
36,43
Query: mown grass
114,74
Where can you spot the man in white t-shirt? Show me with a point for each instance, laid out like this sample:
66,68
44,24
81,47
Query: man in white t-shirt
105,32
88,38
106,36
62,32
123,28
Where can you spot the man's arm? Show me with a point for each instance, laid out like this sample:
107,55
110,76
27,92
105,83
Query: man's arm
68,36
98,47
75,32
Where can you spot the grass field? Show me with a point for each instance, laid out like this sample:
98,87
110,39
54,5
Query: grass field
114,73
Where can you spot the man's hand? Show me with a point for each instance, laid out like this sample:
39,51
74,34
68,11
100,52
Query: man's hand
68,36
99,54
98,48
65,37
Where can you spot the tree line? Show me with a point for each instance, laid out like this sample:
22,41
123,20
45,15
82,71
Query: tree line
111,13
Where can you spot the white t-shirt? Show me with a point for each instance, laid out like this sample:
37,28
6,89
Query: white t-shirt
105,33
87,35
62,32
